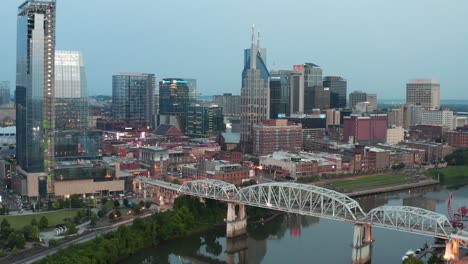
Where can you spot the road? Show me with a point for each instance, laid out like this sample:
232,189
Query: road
93,235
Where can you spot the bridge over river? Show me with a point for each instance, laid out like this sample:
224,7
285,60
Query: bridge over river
315,201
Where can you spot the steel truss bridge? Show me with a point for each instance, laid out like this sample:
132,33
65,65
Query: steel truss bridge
320,202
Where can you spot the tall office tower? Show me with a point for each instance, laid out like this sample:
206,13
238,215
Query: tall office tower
296,84
173,102
312,80
204,121
425,92
372,100
255,95
71,92
279,94
338,90
35,111
192,85
4,93
320,98
356,97
133,97
229,103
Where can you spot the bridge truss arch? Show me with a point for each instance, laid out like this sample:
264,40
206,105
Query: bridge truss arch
412,220
212,189
301,199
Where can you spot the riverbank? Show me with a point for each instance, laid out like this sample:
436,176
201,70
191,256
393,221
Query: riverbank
402,187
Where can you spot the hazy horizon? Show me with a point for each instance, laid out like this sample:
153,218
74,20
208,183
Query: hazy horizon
377,46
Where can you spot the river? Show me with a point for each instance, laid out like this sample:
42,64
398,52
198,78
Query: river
304,239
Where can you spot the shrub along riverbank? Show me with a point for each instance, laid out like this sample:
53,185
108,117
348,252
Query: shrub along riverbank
451,176
188,216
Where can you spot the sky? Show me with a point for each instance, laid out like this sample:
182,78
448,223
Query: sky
376,45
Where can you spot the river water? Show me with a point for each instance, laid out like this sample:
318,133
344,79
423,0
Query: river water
303,239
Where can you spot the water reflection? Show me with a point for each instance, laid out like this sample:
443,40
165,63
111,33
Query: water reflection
290,238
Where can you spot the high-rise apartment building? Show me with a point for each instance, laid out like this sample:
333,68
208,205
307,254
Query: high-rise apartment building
425,92
35,84
338,90
229,103
71,91
279,94
4,93
174,98
133,97
255,94
35,108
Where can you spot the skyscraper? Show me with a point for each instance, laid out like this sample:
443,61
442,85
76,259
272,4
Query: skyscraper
255,94
71,91
192,85
296,84
279,94
338,90
133,97
204,121
174,98
312,82
425,92
35,82
4,93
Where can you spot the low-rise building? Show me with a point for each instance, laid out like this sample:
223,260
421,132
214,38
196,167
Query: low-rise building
457,139
302,164
221,170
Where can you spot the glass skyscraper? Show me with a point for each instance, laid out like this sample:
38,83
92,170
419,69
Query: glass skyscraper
174,99
133,97
71,92
338,90
35,109
280,94
4,93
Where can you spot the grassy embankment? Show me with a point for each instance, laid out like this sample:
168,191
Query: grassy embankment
367,182
55,218
452,176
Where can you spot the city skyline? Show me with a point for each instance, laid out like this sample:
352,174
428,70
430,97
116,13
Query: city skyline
368,34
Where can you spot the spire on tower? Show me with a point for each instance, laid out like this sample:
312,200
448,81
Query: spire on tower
258,41
253,51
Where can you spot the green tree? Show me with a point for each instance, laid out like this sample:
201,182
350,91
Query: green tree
76,201
53,243
34,222
125,202
72,229
31,232
43,222
116,203
147,204
16,239
412,260
141,203
2,253
92,221
137,209
434,259
101,213
67,203
5,228
15,251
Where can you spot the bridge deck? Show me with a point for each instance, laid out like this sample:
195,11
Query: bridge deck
163,184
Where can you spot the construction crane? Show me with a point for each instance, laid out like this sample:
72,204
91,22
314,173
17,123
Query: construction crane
457,219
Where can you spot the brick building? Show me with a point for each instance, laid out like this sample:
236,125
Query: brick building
365,129
458,139
273,135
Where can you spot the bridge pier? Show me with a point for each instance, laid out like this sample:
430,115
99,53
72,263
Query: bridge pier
236,245
362,243
236,225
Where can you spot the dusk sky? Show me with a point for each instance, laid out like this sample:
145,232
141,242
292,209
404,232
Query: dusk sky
376,45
